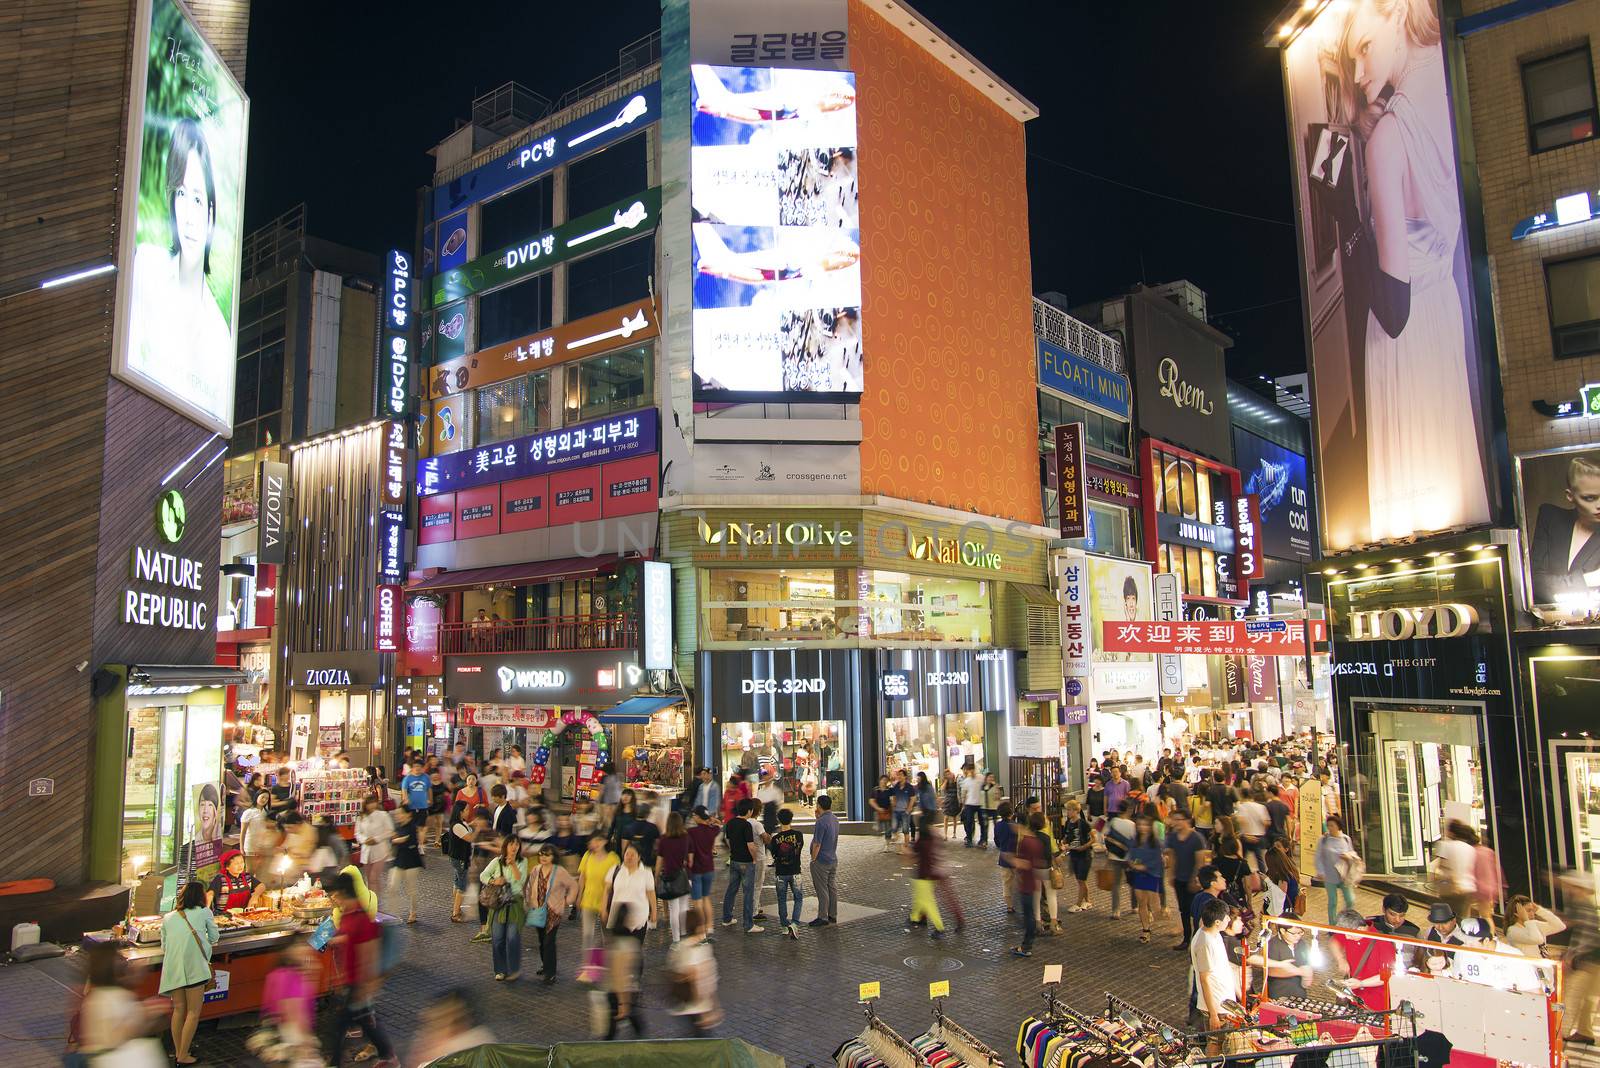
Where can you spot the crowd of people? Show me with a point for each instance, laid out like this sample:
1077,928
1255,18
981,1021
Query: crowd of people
1199,843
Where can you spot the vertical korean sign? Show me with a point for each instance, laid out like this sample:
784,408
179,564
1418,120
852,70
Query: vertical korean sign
1072,490
388,619
1169,668
1247,537
393,377
1075,647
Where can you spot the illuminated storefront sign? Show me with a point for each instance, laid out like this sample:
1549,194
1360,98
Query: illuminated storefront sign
271,508
601,332
657,615
954,551
1071,489
172,611
1403,624
392,478
776,533
1206,639
391,545
1247,537
394,340
386,627
599,128
614,223
1568,211
552,450
1075,650
597,678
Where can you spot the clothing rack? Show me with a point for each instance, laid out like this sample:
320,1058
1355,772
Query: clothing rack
1055,1010
1117,1007
894,1050
971,1051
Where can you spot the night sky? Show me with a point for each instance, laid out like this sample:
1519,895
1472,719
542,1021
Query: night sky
1176,98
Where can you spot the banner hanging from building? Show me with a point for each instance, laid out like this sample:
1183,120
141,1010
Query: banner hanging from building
1210,639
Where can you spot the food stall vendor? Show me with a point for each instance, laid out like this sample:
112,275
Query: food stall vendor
234,887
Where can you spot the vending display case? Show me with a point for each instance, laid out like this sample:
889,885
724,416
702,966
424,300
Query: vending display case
332,792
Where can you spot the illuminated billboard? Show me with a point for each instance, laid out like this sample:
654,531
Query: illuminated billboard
776,235
1278,477
1399,379
182,221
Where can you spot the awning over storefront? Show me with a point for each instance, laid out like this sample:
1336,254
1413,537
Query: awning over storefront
186,675
514,574
637,709
1038,595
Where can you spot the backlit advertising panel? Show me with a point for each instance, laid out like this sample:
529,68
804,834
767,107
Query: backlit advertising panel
579,445
1398,375
776,234
1278,477
1558,497
182,221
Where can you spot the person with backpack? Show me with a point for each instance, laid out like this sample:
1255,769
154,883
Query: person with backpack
1118,837
787,847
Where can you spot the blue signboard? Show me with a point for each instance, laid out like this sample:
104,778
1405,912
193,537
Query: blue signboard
613,122
538,454
1083,379
1266,626
1278,476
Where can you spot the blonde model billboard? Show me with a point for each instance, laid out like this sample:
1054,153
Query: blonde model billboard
1395,361
183,221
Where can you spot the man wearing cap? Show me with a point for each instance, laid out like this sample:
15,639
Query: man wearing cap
1444,929
707,793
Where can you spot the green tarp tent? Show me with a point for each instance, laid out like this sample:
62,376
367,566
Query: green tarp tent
657,1053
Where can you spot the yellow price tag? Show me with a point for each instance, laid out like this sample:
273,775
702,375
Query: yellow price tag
941,989
868,991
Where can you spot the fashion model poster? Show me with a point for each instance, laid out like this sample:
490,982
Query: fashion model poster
184,212
1559,495
1394,357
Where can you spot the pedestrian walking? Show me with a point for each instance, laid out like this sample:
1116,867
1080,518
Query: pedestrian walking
503,884
787,846
989,813
924,909
905,797
1187,851
1334,858
1118,836
449,1024
631,909
707,794
610,794
457,845
1145,874
672,872
971,796
593,869
882,803
1487,877
113,1026
407,867
357,977
1028,861
375,832
692,976
188,936
1583,953
951,804
825,862
1077,841
926,803
551,891
1005,840
703,864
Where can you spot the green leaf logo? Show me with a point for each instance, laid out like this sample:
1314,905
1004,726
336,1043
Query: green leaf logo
171,520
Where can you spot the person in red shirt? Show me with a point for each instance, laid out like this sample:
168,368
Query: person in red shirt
1028,859
356,947
1368,962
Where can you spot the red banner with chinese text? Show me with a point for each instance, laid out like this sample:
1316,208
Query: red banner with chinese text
1206,639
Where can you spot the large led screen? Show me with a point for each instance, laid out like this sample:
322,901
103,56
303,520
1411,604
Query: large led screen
183,217
1278,478
776,235
1398,374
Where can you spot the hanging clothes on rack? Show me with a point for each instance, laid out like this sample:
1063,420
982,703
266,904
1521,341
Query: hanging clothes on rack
878,1046
962,1043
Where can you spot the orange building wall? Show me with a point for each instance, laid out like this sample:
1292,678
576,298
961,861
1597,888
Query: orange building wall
949,412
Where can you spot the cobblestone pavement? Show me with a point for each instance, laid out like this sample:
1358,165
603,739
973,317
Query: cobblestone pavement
797,999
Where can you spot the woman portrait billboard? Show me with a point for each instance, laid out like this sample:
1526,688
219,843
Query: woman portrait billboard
183,218
1395,359
1560,498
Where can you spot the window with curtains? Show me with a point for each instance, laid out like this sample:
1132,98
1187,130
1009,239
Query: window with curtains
1559,94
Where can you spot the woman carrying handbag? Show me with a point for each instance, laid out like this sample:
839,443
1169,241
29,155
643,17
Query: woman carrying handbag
188,934
503,881
551,891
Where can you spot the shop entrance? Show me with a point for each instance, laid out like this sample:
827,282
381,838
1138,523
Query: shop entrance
809,757
1421,766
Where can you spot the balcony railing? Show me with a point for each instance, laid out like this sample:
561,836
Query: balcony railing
552,633
1059,328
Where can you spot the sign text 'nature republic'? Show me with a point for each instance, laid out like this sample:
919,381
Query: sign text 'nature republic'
174,610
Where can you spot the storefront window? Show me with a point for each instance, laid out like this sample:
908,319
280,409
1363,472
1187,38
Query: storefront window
809,757
963,740
904,607
513,409
911,744
1108,530
786,604
175,751
1419,767
616,382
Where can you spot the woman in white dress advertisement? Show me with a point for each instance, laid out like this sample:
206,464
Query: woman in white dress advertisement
1382,220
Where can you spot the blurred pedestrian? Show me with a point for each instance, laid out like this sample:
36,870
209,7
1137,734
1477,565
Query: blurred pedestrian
1028,861
1583,953
924,909
1455,867
450,1024
593,869
375,832
1005,840
631,909
357,977
950,803
407,867
703,864
1334,851
1145,874
692,976
188,937
672,872
1077,841
112,1026
989,814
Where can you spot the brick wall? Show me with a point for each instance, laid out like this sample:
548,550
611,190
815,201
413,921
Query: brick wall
1516,185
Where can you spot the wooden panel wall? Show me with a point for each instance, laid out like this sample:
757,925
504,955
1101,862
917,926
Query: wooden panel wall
64,72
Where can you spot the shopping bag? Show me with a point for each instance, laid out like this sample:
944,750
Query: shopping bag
323,934
1105,879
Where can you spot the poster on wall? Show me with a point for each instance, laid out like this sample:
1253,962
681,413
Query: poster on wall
207,816
1119,590
1558,498
177,293
1279,478
1398,375
776,234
